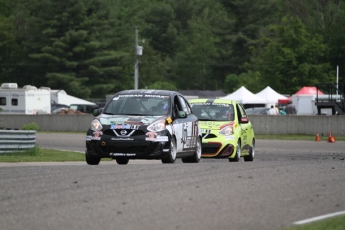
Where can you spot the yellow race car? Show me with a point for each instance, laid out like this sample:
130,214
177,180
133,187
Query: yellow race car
226,129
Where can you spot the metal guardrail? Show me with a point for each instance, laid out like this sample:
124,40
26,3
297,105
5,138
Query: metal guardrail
17,140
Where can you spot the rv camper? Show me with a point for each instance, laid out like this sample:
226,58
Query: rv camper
26,100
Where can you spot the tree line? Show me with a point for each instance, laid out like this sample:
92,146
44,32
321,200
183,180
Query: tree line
87,47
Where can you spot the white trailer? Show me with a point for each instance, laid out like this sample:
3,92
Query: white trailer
305,104
26,100
61,97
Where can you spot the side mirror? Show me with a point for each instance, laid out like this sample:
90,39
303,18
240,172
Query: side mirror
97,112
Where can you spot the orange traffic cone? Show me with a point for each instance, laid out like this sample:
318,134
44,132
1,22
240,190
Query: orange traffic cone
317,138
331,138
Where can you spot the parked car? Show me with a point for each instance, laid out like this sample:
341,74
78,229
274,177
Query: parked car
54,107
257,110
144,124
226,129
84,108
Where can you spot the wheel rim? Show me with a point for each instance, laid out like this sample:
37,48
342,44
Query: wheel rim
198,149
238,150
253,149
173,150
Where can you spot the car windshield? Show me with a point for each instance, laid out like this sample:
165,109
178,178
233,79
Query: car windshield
213,111
138,104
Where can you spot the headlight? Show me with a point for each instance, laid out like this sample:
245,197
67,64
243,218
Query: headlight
96,125
227,130
157,126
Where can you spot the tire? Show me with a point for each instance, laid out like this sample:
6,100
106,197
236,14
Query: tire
122,161
238,153
92,160
197,154
250,157
171,157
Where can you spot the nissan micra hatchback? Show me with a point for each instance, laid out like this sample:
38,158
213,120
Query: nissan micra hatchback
226,129
144,124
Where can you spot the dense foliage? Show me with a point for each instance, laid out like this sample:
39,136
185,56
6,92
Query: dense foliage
87,47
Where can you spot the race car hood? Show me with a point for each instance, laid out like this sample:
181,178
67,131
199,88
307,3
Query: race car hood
214,124
128,119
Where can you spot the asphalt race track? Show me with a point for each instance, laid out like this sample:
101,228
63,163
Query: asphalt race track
288,181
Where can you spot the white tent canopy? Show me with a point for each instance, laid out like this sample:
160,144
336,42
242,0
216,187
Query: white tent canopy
61,97
270,96
244,96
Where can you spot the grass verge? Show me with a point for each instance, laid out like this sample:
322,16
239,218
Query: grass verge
38,154
335,223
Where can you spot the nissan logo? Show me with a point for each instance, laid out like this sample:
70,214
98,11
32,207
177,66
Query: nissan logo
123,132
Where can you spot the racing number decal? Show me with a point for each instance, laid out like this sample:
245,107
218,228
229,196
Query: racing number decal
184,133
189,135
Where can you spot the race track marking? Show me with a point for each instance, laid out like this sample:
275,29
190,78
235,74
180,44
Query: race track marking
317,218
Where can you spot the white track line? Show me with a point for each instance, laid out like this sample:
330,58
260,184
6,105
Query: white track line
319,218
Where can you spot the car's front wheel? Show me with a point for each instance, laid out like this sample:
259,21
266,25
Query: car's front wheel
122,161
91,160
238,153
197,155
171,157
250,157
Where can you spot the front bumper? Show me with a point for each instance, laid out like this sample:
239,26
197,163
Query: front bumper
134,147
218,146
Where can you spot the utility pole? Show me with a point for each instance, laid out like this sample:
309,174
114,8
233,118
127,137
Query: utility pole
136,63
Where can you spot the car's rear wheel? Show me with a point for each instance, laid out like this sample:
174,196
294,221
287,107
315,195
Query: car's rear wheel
91,160
122,161
238,153
250,157
197,155
171,157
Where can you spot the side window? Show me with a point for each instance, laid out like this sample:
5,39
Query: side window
14,101
185,107
176,106
2,100
240,111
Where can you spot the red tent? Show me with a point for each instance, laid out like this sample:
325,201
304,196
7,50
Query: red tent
308,90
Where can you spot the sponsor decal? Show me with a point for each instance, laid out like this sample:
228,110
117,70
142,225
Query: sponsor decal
221,104
169,120
124,126
151,136
131,95
155,95
162,138
201,103
205,130
96,135
166,150
90,138
230,137
122,139
184,133
122,154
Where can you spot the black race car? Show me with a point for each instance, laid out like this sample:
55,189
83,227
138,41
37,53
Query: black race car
144,124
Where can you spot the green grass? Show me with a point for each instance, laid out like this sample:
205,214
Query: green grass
38,154
335,223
